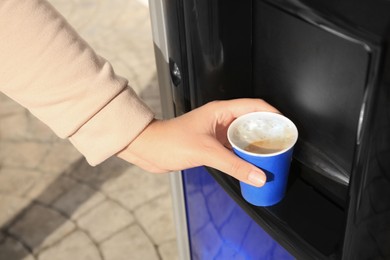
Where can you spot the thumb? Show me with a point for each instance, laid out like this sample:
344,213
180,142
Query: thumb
224,160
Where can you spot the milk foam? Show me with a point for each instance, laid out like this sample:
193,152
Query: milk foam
274,133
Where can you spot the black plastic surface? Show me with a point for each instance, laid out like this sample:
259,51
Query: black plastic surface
219,42
317,79
177,55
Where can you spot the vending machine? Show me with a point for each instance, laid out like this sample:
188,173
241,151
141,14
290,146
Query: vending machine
323,64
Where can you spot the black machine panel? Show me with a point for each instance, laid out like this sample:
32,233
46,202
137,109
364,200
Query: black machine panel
315,77
308,59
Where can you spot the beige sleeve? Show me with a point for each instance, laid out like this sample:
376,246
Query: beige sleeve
46,67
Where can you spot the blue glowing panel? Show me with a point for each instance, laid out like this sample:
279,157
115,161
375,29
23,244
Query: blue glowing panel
219,228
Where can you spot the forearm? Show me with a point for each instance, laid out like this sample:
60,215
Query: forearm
49,69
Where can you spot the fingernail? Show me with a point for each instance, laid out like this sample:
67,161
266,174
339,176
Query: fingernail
256,178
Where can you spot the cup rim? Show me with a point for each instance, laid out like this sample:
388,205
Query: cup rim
243,117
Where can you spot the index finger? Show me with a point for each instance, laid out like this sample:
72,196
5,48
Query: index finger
243,106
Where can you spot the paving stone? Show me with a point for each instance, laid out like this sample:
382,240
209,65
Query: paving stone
156,218
60,156
135,187
11,249
10,206
79,13
9,107
98,175
2,237
49,187
130,243
13,126
74,246
168,251
23,154
78,200
17,181
38,131
105,220
40,227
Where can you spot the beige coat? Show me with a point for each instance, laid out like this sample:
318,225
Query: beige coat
46,67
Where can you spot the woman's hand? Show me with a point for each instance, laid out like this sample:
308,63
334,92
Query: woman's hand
194,139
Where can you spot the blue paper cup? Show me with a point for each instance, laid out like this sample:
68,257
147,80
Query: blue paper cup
266,140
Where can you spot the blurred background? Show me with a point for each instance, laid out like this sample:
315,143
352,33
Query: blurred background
53,205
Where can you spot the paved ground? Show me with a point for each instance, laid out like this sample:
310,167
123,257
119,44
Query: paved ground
53,205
